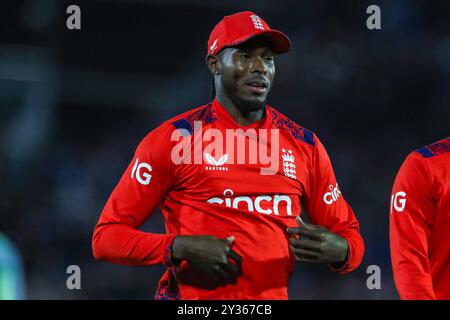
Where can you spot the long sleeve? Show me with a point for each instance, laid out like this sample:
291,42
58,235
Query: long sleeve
410,229
326,206
144,184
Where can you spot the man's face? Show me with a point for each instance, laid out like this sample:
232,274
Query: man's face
247,73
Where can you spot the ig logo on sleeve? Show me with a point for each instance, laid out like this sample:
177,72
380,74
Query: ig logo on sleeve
142,171
398,201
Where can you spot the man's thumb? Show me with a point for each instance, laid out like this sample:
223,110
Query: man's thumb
230,239
299,221
304,224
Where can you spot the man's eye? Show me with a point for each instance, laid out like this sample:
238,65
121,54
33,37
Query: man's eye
268,59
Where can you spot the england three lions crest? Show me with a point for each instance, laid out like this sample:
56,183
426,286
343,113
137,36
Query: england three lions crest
288,163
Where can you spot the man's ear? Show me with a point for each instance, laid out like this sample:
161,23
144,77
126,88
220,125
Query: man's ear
213,63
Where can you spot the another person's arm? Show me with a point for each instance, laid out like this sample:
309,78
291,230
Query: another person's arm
410,229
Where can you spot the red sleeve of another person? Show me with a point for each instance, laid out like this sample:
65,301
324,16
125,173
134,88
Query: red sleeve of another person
144,184
326,206
410,229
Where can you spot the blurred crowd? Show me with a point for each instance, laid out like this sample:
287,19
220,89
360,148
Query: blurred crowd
75,104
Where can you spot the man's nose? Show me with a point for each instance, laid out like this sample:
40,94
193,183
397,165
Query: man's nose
258,66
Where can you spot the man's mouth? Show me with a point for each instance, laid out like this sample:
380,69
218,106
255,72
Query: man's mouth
258,86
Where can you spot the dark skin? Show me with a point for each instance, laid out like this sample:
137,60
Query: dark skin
235,69
211,256
243,77
315,244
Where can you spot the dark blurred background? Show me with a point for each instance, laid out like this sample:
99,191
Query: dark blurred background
75,104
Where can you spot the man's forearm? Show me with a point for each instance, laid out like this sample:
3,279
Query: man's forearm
122,244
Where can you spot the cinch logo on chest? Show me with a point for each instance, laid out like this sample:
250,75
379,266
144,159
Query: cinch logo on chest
262,204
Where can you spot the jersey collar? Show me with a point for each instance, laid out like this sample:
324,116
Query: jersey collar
224,116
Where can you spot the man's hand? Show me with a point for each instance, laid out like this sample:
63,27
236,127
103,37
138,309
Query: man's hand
212,256
316,244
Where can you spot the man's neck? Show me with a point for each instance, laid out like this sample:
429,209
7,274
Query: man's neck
243,119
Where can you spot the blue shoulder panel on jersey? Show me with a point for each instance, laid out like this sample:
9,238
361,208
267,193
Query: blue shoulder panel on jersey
425,152
435,149
308,136
183,125
298,132
186,124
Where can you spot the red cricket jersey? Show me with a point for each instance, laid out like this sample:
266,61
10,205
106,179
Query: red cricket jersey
420,224
222,197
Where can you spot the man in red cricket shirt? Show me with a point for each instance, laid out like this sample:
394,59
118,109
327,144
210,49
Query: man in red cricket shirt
420,224
231,208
